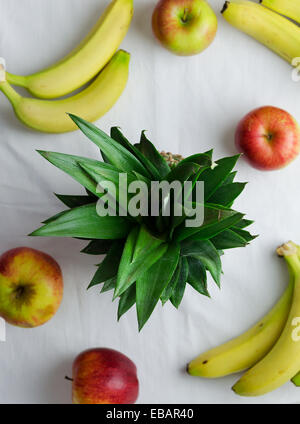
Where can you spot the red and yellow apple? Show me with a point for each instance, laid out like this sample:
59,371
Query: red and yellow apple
31,287
268,137
185,27
104,376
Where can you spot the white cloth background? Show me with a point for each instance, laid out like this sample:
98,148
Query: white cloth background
188,105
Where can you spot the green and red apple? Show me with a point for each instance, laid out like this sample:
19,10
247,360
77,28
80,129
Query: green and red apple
269,138
185,27
31,287
104,376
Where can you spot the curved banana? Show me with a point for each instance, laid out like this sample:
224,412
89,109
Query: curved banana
90,104
86,61
283,361
289,8
274,31
247,349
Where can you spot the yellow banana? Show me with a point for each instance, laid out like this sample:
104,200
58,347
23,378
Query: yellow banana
289,8
247,349
86,61
90,104
283,361
274,31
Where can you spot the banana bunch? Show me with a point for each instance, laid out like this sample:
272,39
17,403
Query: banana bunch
271,29
270,350
289,8
96,57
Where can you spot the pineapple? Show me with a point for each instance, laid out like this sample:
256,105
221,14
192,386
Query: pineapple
149,258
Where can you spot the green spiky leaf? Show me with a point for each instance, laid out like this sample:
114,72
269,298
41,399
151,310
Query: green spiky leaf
127,300
75,201
152,282
227,193
118,136
228,239
245,234
98,247
149,151
179,288
109,266
141,251
243,223
214,177
168,291
197,276
109,285
215,221
204,251
114,151
85,222
69,164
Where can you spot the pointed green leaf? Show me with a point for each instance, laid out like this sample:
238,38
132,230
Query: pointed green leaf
119,137
85,222
98,247
213,178
167,293
228,239
109,285
127,300
226,194
178,220
197,276
216,220
100,176
152,282
205,251
69,164
201,159
114,151
182,171
209,153
150,152
179,289
75,201
243,223
230,178
54,217
90,194
141,251
99,172
245,234
104,157
109,266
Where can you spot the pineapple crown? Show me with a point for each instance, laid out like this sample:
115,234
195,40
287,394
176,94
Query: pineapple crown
149,258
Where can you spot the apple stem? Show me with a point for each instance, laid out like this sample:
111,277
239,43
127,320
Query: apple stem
185,12
68,378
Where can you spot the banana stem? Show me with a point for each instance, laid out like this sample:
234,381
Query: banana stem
16,79
290,252
10,92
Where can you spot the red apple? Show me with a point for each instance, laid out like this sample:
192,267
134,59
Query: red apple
104,376
31,287
269,138
185,27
